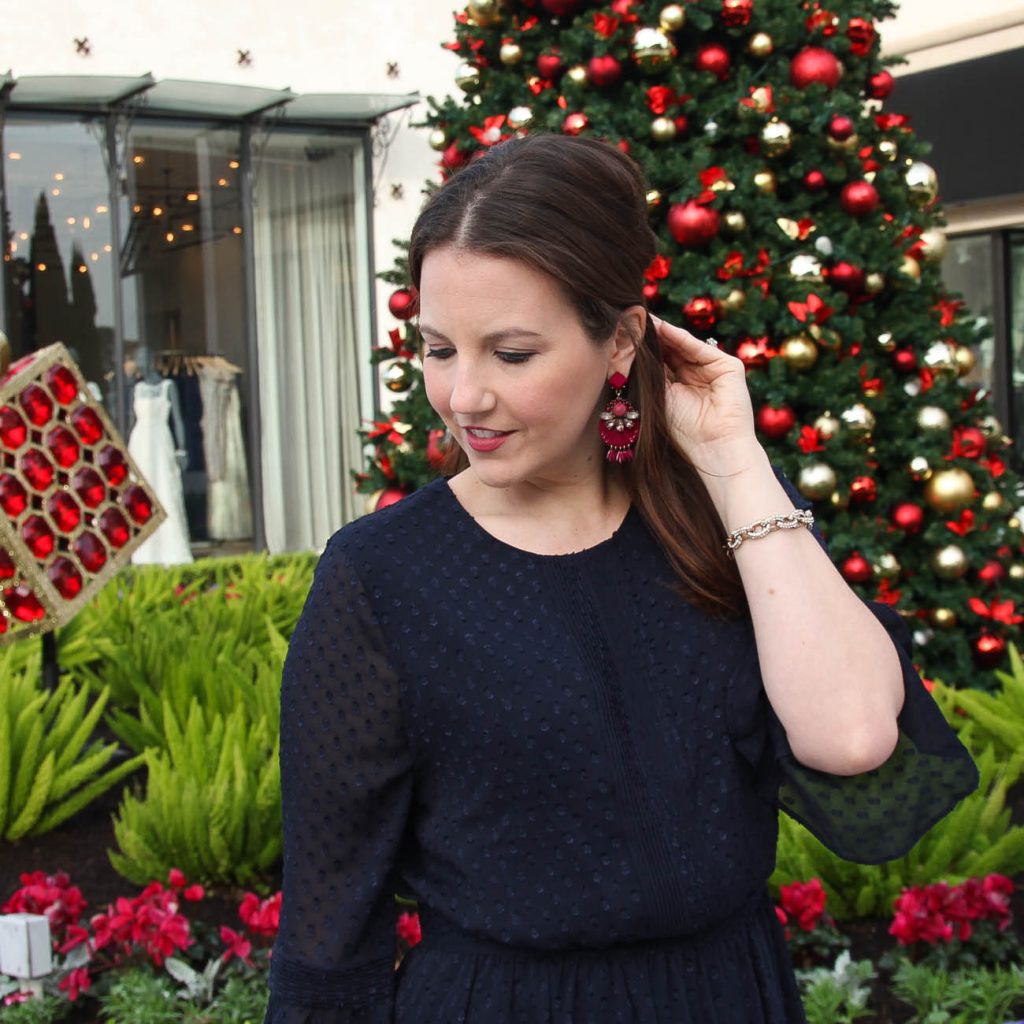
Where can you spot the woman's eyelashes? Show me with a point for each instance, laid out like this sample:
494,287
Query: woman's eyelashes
505,357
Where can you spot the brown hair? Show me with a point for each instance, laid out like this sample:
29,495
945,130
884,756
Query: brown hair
576,209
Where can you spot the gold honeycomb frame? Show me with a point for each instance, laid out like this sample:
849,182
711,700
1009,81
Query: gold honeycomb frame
29,570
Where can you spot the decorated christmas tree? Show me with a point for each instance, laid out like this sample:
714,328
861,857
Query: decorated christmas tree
800,225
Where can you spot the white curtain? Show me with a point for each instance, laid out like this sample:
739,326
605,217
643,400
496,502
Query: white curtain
307,252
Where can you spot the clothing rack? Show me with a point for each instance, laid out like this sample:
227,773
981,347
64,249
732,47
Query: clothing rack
170,363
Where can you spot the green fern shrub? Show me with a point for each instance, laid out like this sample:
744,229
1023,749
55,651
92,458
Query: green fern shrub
212,804
50,765
974,839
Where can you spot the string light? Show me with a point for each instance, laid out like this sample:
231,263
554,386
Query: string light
236,230
58,176
82,268
54,191
41,267
87,223
158,211
101,209
234,165
108,248
169,236
94,256
14,156
71,220
188,227
223,182
138,159
192,197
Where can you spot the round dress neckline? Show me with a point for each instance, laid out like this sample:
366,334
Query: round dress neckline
463,513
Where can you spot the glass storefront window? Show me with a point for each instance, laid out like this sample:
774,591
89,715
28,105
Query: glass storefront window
967,269
59,258
182,280
1016,340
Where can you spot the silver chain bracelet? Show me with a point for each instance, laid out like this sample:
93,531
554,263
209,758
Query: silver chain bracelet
780,521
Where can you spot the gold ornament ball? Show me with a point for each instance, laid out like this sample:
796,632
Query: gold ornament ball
735,222
652,49
992,502
776,138
799,352
932,418
940,358
923,182
520,117
934,244
663,129
847,145
653,198
888,149
510,54
827,426
370,501
949,563
438,139
722,185
910,269
758,102
919,469
825,336
816,481
886,341
672,17
577,74
991,428
484,13
734,301
760,44
886,566
840,499
1016,572
949,490
874,282
942,618
1013,523
467,77
765,181
965,360
805,266
859,419
398,376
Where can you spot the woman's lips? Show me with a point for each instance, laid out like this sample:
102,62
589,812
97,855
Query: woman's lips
481,440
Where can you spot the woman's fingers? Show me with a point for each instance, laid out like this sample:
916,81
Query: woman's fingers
679,346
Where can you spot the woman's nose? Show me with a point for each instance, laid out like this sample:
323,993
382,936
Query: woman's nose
470,392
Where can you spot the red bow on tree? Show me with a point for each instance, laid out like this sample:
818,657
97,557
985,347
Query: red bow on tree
963,525
998,611
814,310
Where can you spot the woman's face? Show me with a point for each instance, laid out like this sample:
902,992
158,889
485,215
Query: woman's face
509,369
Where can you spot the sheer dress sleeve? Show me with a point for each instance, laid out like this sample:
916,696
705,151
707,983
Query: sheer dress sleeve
878,815
346,789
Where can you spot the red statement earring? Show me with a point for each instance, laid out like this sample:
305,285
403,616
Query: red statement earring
619,425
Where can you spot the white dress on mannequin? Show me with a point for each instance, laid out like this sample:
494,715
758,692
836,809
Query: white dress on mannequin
229,511
152,447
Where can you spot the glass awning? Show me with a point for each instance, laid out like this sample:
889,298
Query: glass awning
197,99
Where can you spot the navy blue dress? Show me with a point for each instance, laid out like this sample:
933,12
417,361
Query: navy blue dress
576,774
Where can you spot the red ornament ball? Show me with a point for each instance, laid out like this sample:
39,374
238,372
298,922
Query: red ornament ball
859,198
575,123
435,447
856,569
814,181
714,58
840,127
701,312
453,158
549,64
989,650
908,517
775,423
904,360
604,71
389,497
402,303
972,442
992,573
846,277
736,13
815,64
561,8
651,293
880,85
693,224
863,489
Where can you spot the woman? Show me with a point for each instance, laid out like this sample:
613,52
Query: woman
541,695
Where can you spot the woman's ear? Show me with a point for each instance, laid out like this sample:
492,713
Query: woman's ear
628,338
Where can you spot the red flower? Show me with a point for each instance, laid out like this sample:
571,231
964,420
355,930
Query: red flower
195,893
175,877
805,902
810,440
237,945
491,132
75,983
51,895
605,25
408,928
261,916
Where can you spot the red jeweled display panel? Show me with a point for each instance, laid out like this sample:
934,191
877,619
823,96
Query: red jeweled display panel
73,505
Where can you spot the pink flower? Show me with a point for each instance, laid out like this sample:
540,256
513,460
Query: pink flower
262,917
16,997
237,945
194,893
77,982
409,928
804,901
176,878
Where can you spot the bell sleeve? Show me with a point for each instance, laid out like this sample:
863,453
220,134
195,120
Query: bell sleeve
346,790
880,814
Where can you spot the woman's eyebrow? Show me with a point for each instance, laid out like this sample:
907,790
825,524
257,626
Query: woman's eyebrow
503,335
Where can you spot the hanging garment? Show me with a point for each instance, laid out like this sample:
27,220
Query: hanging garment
152,447
229,512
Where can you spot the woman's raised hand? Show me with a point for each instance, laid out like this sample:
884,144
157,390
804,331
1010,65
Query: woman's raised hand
706,401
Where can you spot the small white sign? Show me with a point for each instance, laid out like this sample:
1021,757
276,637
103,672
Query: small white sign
25,947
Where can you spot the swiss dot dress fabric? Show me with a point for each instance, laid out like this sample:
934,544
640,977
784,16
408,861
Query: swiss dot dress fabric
575,773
